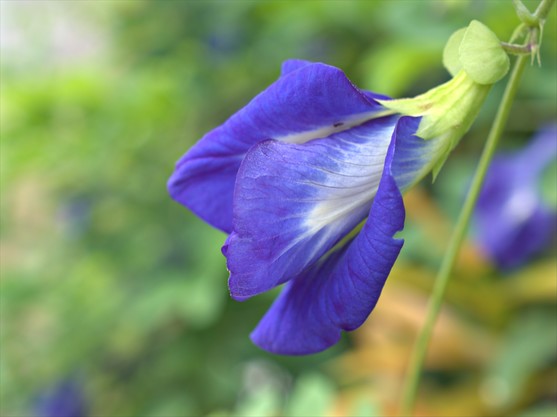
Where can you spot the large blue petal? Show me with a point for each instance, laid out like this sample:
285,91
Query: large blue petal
294,202
306,102
340,292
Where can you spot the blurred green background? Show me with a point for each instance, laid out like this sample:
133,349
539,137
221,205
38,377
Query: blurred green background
107,282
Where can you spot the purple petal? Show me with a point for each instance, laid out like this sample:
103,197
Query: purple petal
414,155
308,102
542,149
339,293
511,222
292,203
292,65
512,244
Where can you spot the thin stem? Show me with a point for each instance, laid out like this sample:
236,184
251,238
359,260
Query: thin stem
543,9
434,306
524,14
420,349
514,49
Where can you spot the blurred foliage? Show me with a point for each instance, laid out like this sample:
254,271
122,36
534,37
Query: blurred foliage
106,279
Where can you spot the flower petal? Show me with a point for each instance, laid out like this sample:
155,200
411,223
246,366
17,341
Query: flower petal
339,293
292,65
414,157
511,244
292,203
512,223
307,102
537,154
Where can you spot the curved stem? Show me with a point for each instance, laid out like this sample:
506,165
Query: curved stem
420,349
434,306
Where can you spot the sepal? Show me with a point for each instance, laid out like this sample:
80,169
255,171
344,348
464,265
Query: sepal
478,51
475,58
447,112
451,58
481,54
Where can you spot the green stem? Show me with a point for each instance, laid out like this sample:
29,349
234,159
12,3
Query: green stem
420,349
513,49
543,9
418,355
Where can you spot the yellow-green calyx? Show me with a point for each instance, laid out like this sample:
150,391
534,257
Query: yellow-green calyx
478,51
475,58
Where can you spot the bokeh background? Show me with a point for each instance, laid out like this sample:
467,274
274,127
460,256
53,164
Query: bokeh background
114,298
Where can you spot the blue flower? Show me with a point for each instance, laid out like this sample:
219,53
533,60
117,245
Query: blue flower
66,399
299,168
512,221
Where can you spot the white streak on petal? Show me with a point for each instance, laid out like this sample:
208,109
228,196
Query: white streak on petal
341,197
323,132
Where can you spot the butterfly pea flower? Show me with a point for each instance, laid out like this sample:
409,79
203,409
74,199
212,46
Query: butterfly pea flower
306,180
513,222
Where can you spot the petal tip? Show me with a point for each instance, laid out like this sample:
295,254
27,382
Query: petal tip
290,345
